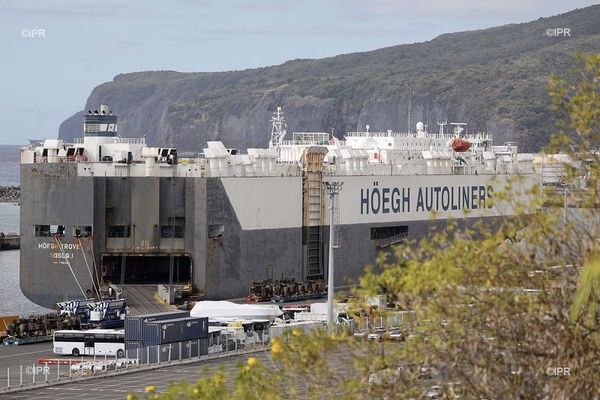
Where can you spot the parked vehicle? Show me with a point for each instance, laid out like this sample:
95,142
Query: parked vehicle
99,342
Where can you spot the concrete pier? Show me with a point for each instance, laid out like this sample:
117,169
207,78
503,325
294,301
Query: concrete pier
9,242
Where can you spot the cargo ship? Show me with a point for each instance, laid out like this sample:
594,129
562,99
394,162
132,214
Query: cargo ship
108,210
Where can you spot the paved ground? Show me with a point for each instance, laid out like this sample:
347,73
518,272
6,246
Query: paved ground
118,387
13,357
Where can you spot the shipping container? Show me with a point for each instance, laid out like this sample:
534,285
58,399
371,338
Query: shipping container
191,348
161,332
164,352
169,351
151,354
133,350
134,323
174,330
204,346
195,328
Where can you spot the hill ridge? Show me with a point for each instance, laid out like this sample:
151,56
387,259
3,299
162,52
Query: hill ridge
494,79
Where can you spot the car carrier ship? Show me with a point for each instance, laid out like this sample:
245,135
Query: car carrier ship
109,210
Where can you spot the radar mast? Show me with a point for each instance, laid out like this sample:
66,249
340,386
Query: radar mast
277,130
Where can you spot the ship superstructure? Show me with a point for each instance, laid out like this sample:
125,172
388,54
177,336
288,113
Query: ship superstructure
112,210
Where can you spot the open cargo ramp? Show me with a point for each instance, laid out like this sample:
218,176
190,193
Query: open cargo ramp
141,299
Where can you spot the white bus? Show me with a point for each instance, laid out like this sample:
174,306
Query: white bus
110,342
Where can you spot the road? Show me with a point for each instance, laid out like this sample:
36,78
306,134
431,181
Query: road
117,387
12,358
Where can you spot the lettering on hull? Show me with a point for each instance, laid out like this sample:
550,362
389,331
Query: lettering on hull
395,200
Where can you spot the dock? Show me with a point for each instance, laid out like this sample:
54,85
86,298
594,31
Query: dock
9,242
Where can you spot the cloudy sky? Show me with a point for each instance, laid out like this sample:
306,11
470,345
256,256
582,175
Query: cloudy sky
46,76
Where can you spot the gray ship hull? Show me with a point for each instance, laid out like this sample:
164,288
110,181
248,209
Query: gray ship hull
151,230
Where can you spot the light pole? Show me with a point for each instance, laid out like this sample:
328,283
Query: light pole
332,189
565,205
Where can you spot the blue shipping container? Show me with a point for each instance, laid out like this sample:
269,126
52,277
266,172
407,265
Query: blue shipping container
195,328
134,323
174,330
161,332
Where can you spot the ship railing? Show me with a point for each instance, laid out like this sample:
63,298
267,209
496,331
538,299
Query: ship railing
130,140
76,158
304,143
399,170
414,135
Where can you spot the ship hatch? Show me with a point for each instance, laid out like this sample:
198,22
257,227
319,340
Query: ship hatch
146,269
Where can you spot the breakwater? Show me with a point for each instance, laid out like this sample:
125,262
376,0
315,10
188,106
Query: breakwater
9,242
10,194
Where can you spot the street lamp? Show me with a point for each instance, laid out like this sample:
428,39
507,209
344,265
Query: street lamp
565,204
332,189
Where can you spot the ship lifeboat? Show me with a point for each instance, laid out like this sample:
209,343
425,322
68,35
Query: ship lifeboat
460,145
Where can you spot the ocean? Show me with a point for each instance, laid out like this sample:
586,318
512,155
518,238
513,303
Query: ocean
12,300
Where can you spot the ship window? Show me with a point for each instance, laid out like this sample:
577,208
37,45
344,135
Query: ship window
42,230
216,231
82,231
388,231
168,231
118,231
388,235
49,230
174,229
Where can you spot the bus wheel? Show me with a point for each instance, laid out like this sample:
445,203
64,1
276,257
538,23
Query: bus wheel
120,353
75,352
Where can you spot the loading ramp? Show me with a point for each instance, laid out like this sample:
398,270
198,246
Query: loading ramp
142,299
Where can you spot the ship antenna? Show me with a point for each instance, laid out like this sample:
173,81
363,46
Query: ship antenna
409,106
278,130
442,124
458,128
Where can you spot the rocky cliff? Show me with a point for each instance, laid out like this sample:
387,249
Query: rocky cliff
494,79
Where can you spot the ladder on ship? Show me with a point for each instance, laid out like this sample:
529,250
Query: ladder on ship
312,210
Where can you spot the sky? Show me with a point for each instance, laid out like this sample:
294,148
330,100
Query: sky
54,52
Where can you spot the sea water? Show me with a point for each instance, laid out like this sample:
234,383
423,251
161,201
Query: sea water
12,300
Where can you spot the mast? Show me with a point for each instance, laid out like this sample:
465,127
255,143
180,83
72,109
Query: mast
409,107
278,130
441,125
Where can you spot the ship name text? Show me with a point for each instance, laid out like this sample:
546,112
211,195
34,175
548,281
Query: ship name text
394,200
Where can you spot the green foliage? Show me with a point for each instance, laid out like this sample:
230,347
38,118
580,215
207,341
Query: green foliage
586,302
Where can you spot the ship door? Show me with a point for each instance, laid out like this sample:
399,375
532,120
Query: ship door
135,269
88,344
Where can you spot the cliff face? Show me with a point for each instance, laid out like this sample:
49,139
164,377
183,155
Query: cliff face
493,79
